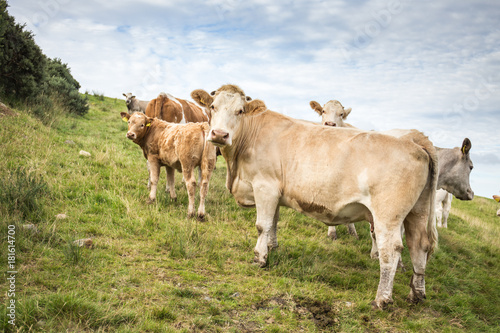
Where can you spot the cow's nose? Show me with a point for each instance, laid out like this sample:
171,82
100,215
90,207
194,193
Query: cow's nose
470,194
219,136
130,135
330,123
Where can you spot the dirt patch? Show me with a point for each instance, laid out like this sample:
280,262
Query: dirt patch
5,110
323,314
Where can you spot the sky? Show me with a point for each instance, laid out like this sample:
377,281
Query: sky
429,65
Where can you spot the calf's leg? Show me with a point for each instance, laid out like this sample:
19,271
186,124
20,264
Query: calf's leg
171,183
188,173
154,173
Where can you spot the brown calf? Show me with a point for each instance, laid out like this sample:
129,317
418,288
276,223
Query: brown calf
180,147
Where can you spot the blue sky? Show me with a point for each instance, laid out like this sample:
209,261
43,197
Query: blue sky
429,65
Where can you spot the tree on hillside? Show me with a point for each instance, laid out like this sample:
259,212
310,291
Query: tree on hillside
28,76
22,62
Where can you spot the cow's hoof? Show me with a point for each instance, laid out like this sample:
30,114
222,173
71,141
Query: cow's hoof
416,296
262,262
332,236
191,215
374,255
150,202
201,217
382,304
174,199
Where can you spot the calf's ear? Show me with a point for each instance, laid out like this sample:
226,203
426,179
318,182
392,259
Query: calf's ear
255,106
202,97
346,113
125,116
124,95
466,146
316,107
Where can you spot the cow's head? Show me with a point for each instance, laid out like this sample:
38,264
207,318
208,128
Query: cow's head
455,167
128,98
226,106
332,114
138,124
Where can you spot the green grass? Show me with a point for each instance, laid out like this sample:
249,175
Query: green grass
153,270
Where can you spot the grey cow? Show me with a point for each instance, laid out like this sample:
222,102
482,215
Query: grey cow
454,167
134,104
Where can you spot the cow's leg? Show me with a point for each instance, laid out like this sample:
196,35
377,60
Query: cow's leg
189,177
332,232
446,209
439,213
352,230
374,251
390,245
266,202
171,183
154,174
419,245
149,175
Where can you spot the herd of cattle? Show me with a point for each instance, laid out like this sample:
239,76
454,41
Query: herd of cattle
396,180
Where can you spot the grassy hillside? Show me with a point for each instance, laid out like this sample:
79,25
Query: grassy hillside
153,270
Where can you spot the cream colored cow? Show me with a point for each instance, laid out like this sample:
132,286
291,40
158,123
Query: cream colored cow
274,160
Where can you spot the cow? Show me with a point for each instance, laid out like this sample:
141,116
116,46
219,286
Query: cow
497,199
176,146
174,110
274,160
334,114
443,205
134,104
455,166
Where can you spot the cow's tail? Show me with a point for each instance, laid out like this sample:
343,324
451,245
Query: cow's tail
432,233
160,100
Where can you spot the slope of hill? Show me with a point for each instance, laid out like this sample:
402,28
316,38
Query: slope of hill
150,269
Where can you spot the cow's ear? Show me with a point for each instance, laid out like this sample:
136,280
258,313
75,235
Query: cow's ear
125,116
316,107
202,97
466,146
149,120
132,96
248,98
255,106
346,113
124,95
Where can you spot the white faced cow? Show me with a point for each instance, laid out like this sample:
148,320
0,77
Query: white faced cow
334,114
134,104
273,160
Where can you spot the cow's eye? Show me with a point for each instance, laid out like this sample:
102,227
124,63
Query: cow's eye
341,114
240,112
142,125
212,107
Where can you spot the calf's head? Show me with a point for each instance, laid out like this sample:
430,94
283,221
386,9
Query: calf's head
138,124
455,166
226,107
332,113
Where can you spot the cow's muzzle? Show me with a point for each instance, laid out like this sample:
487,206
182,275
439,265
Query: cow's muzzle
131,135
330,123
219,137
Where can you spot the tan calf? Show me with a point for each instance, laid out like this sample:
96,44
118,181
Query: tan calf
176,146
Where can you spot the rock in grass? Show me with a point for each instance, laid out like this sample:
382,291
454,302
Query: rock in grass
87,242
30,226
69,142
85,153
61,216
